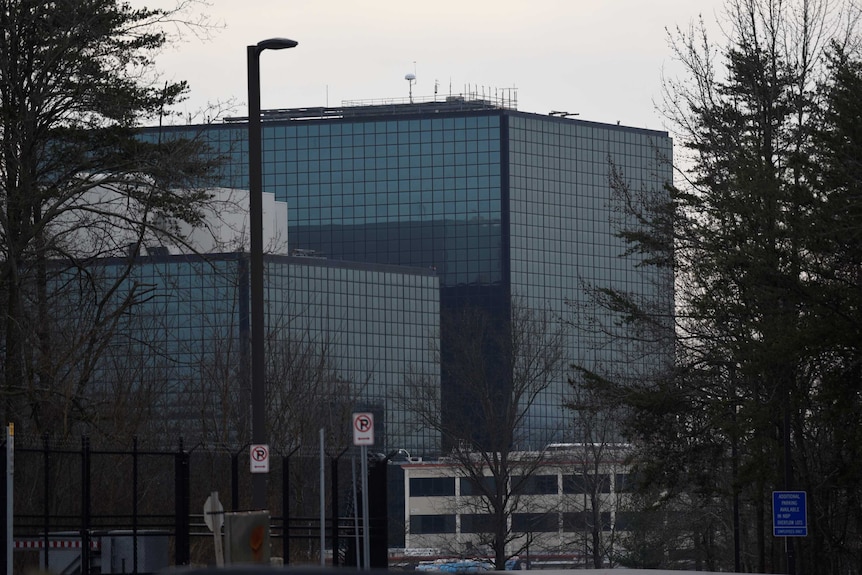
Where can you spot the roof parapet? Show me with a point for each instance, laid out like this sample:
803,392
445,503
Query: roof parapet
506,99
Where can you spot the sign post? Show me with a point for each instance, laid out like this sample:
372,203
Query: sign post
363,436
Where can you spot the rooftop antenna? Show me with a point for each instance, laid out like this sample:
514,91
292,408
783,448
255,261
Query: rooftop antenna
411,79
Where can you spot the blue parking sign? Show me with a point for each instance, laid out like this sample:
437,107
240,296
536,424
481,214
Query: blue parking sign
789,517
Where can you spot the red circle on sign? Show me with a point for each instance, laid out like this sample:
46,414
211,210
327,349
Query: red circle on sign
259,453
362,423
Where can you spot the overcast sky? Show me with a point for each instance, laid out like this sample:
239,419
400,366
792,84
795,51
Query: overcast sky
601,59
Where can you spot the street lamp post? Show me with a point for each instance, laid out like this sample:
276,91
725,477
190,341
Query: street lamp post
255,213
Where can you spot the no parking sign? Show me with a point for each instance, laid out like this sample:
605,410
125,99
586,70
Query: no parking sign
259,458
363,429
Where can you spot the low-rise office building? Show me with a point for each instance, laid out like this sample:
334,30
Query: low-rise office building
554,510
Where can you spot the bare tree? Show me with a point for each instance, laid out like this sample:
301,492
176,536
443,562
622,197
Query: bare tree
594,461
760,228
497,371
75,80
307,392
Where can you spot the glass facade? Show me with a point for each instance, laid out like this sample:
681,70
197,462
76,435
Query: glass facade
187,344
499,203
376,321
403,191
562,211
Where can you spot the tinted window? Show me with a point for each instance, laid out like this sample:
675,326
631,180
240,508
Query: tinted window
432,486
583,520
469,486
476,523
587,483
535,485
424,524
535,522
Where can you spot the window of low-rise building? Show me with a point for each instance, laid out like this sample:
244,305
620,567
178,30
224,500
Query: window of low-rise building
535,485
535,522
432,486
431,524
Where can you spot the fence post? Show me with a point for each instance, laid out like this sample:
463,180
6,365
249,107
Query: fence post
285,503
333,478
6,551
285,507
181,519
85,505
336,507
378,515
234,482
46,528
135,504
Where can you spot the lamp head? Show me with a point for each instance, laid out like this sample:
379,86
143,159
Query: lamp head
276,44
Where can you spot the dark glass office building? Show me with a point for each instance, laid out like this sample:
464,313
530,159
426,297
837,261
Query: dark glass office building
501,204
339,337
